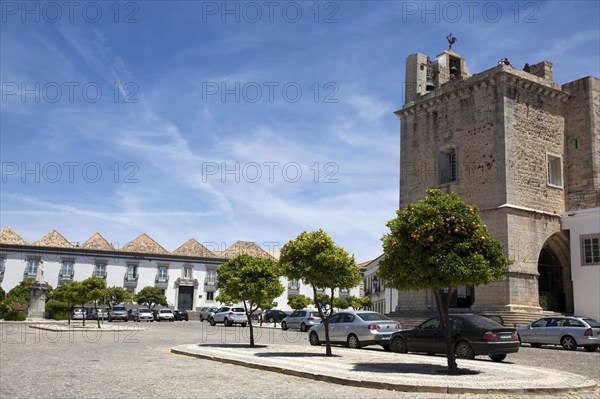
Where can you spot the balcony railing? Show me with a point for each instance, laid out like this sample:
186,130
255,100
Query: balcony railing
65,276
99,274
161,279
131,279
29,276
293,286
210,281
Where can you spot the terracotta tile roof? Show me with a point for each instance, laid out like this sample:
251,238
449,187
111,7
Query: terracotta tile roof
194,248
9,236
53,239
245,247
144,244
97,242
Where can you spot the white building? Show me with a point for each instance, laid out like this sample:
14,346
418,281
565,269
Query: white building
583,227
187,276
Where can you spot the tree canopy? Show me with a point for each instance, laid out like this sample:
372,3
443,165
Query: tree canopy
314,259
116,295
150,297
440,243
298,302
252,281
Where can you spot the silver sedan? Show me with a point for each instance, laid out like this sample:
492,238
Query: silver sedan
356,329
567,331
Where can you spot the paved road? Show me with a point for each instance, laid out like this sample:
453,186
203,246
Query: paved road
134,361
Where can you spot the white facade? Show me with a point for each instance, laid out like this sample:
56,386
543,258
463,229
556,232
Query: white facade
384,299
188,282
584,228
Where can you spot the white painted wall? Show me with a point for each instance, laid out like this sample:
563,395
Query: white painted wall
586,278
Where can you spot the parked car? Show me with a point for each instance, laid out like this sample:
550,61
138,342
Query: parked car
165,314
302,319
274,316
229,316
356,329
118,313
144,314
181,315
207,312
78,314
567,331
473,335
100,313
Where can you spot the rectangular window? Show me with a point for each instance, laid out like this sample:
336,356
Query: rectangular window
2,264
67,269
187,273
554,170
211,277
293,285
32,266
100,270
210,296
131,271
448,166
163,273
590,250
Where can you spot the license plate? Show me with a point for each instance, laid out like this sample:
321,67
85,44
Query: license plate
385,337
506,336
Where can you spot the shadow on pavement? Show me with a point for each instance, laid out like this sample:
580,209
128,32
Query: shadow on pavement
292,354
244,345
409,368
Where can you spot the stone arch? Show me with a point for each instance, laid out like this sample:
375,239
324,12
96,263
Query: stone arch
555,286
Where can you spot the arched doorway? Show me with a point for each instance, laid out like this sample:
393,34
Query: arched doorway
555,285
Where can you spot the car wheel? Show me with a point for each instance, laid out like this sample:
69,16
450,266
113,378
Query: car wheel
568,343
498,358
536,345
244,324
125,320
284,325
314,339
387,348
212,321
226,322
110,320
591,348
353,342
464,351
399,345
303,327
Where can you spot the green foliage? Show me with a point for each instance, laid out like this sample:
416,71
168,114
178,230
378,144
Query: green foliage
362,303
341,303
322,300
150,297
58,310
22,292
314,259
116,295
93,289
439,242
15,311
253,281
2,294
298,302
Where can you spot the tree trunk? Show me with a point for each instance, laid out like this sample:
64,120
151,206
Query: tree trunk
327,342
443,310
97,316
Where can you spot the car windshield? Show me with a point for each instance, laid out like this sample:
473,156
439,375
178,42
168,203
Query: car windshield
144,311
237,310
593,323
372,316
119,308
483,322
165,311
315,314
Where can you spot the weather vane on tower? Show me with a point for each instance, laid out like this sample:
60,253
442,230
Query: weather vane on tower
451,40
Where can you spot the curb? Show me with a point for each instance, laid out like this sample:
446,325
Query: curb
385,385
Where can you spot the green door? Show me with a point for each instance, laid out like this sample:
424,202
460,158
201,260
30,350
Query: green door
185,298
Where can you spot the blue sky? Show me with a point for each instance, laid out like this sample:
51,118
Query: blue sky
226,121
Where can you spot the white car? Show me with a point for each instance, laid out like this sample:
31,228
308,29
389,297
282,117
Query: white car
144,314
78,314
165,314
229,316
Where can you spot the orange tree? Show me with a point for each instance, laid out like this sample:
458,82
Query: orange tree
314,259
440,243
252,281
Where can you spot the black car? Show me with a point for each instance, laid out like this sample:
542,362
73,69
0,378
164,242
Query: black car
180,315
473,335
274,316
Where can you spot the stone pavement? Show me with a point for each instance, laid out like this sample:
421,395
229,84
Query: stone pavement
392,371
